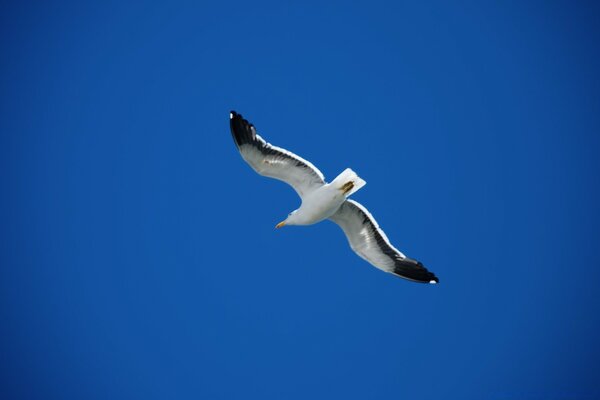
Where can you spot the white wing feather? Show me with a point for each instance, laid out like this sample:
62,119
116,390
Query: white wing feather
370,242
273,161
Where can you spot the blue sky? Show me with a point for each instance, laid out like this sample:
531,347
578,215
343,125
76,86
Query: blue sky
138,254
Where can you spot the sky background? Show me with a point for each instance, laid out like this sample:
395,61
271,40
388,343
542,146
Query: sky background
138,252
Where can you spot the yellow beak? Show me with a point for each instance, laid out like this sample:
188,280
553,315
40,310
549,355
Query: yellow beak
279,225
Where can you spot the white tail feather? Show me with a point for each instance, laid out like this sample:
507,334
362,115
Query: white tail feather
342,181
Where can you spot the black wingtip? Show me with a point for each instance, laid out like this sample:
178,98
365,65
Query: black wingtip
241,130
414,270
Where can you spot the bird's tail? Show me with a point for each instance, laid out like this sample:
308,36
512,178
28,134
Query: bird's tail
348,182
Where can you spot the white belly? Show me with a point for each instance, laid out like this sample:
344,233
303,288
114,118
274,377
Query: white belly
320,205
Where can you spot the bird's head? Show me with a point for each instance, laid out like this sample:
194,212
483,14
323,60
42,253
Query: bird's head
290,220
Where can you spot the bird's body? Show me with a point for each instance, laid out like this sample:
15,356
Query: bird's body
318,205
322,200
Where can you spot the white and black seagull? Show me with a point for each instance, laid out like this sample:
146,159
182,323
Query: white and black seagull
322,200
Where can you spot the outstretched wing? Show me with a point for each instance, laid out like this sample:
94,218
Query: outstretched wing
369,242
272,161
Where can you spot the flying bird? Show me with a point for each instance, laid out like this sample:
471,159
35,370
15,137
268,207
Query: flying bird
322,200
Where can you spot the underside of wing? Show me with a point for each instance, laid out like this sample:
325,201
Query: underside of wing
272,161
371,243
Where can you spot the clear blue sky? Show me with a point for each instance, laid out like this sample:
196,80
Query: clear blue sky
138,252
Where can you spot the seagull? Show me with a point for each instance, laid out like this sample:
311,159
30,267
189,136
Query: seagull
322,200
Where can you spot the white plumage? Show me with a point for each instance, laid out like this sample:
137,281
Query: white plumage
322,200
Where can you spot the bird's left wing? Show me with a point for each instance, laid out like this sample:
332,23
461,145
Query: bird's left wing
272,161
369,242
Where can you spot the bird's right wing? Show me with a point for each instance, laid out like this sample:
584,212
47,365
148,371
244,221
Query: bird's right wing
369,242
273,161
